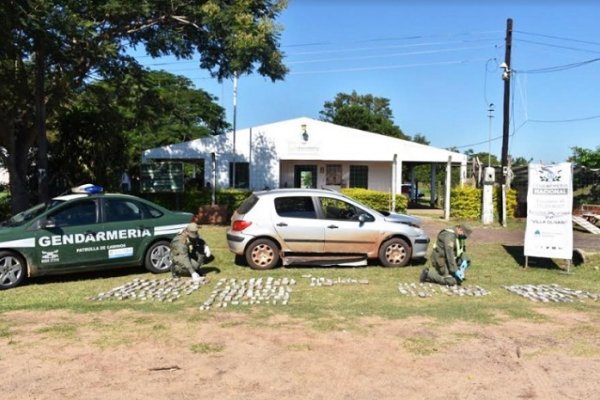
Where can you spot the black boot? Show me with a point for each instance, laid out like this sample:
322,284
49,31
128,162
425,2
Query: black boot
424,275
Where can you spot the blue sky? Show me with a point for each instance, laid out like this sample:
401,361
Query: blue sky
438,64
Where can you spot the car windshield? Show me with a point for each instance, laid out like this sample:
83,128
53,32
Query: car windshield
25,216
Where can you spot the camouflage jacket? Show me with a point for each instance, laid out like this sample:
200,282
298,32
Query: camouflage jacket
184,249
447,250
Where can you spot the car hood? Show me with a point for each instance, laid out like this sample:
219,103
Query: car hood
402,219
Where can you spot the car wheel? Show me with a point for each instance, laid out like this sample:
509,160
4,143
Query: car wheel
158,257
12,270
394,252
262,254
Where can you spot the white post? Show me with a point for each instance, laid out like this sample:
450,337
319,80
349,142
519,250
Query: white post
213,162
235,86
394,183
448,183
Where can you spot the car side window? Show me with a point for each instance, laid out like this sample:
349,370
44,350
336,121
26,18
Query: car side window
116,210
295,207
339,209
80,213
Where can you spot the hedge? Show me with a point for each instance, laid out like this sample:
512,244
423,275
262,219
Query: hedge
466,202
377,200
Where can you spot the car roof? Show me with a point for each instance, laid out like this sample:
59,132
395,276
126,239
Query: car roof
297,191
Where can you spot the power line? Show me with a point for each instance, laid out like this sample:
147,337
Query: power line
412,53
558,68
558,46
558,38
556,121
373,48
376,68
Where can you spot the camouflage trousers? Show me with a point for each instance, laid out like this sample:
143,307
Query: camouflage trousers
436,277
187,267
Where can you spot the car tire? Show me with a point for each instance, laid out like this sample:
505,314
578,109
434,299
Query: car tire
158,257
262,254
394,252
13,270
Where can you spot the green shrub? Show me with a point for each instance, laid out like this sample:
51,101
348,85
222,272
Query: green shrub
193,199
377,200
466,202
5,210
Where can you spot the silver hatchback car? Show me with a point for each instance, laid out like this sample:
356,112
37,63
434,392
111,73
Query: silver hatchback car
321,227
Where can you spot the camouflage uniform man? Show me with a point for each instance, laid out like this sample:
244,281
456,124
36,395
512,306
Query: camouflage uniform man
188,252
449,251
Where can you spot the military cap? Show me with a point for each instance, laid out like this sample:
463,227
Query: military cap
192,229
466,228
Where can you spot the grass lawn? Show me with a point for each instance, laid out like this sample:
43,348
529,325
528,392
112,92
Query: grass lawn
332,307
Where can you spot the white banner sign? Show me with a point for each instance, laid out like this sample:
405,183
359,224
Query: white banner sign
549,231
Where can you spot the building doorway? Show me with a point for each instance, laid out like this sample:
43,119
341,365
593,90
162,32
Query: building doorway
305,176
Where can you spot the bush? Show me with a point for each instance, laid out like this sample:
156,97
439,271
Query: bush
377,200
194,200
5,209
466,202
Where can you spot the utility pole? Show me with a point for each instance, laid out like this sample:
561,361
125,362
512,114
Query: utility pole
506,119
506,77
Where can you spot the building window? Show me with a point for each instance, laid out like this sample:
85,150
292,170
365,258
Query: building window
359,176
333,175
242,175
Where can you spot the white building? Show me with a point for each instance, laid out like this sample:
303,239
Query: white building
304,152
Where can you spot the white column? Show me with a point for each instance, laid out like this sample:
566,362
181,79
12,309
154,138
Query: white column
448,183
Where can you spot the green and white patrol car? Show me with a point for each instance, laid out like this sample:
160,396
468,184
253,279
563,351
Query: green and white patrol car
84,231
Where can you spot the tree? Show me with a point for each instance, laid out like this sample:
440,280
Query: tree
364,112
585,157
49,48
111,122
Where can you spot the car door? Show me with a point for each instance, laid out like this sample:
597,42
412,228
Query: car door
125,233
344,233
66,237
295,221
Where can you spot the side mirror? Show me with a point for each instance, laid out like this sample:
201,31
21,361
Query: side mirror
362,218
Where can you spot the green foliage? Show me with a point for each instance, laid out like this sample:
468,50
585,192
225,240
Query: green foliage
4,205
586,157
377,200
466,202
68,42
365,112
193,199
111,122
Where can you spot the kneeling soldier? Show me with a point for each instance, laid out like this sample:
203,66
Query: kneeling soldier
188,252
449,253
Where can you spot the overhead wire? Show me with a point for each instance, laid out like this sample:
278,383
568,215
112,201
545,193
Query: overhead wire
557,37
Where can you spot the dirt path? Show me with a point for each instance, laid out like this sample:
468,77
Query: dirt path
224,357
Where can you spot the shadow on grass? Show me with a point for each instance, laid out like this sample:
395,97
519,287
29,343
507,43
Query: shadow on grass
86,276
104,274
517,253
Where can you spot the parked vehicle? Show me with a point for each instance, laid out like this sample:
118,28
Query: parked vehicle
320,227
87,230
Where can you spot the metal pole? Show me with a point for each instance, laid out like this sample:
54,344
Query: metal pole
447,195
394,183
490,115
235,85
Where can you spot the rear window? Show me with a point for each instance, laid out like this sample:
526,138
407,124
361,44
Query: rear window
247,204
295,207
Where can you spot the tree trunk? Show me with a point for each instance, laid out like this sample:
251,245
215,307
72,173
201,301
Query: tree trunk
40,122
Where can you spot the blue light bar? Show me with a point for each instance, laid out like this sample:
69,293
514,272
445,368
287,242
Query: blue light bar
88,188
